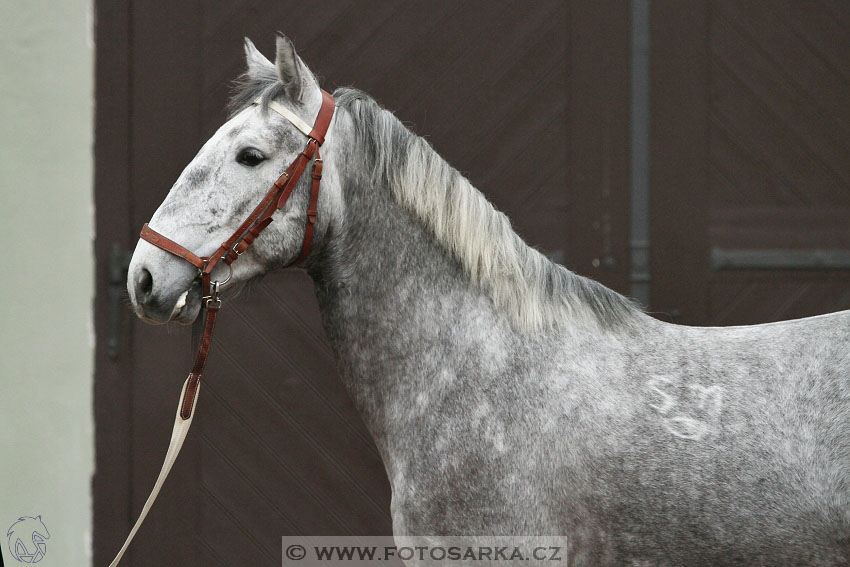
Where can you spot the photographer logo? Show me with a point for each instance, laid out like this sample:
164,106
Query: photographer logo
28,539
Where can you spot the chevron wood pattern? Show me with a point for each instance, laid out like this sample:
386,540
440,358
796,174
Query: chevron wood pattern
750,149
779,151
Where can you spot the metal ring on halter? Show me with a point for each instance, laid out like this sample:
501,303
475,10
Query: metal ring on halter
229,273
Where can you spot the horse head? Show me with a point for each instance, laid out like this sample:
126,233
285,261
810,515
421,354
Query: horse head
227,178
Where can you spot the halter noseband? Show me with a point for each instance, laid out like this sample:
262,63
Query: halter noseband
261,216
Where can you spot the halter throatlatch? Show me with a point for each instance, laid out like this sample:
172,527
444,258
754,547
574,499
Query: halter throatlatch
229,252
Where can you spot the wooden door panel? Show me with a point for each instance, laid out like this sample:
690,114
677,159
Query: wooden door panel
769,201
277,447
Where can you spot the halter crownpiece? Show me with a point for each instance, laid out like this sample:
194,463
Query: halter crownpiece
229,252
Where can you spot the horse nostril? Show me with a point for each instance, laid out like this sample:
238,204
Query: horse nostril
144,285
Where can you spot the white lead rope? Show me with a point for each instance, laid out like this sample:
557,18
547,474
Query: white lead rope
178,435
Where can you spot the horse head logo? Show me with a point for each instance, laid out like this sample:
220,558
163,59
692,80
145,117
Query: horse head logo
28,539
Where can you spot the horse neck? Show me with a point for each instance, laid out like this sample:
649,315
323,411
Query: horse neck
399,311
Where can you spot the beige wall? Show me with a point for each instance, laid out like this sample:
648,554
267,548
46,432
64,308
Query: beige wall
46,272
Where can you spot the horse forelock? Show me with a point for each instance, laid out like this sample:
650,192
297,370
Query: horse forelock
535,292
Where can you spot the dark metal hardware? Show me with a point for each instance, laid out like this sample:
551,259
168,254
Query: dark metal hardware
780,259
119,262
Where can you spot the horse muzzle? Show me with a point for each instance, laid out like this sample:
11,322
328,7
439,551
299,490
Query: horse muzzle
162,293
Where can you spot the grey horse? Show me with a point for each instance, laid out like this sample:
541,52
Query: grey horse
506,394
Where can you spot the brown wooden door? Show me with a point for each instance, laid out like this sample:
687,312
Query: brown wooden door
750,160
508,94
749,153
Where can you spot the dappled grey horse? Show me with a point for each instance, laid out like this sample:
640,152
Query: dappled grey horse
506,394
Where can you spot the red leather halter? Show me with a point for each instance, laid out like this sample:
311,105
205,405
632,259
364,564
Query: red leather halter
228,252
248,231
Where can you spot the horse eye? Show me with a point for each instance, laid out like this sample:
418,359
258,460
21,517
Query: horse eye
250,157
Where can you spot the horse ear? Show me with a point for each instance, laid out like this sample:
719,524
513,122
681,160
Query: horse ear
254,58
293,73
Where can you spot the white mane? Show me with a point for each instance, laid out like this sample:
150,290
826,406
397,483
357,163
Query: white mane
534,291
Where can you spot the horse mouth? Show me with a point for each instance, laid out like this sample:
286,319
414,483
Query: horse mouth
188,306
185,310
179,307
